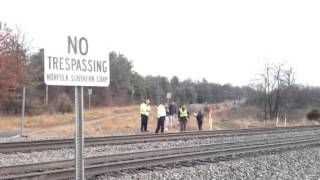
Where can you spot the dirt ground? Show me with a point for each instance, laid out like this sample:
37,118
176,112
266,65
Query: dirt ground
117,120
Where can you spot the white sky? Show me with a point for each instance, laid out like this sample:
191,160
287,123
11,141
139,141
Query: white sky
223,41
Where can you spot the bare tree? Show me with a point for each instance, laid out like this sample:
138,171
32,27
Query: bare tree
273,83
289,81
12,67
266,84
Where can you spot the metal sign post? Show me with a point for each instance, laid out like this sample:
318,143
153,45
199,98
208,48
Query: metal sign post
72,64
79,138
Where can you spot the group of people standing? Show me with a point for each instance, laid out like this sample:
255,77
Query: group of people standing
166,114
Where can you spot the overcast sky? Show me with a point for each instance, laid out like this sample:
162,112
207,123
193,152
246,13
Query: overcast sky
222,41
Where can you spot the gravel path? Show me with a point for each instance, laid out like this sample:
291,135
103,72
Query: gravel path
290,165
13,139
18,138
62,154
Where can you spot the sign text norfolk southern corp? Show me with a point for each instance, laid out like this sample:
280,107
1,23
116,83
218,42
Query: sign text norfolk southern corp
74,63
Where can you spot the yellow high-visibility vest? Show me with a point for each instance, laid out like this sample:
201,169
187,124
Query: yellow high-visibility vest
144,109
183,113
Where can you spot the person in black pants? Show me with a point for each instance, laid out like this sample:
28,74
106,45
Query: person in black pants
161,114
199,119
144,122
160,124
183,115
144,112
172,112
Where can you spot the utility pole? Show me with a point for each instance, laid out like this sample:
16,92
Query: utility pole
22,110
89,96
47,99
158,91
184,94
41,51
285,120
89,102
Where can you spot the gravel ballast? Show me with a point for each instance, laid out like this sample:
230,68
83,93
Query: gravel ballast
297,164
63,154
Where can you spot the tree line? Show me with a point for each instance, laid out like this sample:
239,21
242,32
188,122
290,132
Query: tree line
21,68
274,91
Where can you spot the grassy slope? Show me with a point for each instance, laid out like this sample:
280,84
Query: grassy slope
112,120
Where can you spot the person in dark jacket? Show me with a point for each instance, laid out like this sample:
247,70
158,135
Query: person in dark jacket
172,113
199,119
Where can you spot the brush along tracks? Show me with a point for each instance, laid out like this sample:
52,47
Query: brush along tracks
12,147
117,162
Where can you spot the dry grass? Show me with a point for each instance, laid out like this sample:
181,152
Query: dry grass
130,122
113,120
252,123
9,123
47,120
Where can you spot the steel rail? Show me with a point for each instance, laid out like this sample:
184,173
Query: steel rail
126,157
136,155
130,139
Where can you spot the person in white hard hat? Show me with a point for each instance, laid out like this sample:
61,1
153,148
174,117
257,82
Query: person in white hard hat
161,115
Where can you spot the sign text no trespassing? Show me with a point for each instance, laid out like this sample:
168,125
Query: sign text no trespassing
75,66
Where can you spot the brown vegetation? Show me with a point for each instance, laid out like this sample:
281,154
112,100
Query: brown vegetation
12,65
115,120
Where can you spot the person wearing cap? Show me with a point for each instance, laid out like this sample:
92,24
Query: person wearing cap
199,117
144,112
161,115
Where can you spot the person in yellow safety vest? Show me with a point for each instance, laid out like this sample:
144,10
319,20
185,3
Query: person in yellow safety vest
144,112
161,115
183,115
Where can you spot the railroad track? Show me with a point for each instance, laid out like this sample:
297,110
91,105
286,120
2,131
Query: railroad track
12,147
117,162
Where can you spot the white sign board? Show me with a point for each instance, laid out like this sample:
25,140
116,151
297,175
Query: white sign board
168,95
75,61
89,91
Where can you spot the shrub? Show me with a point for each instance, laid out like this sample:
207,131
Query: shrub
64,104
35,106
313,114
206,109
